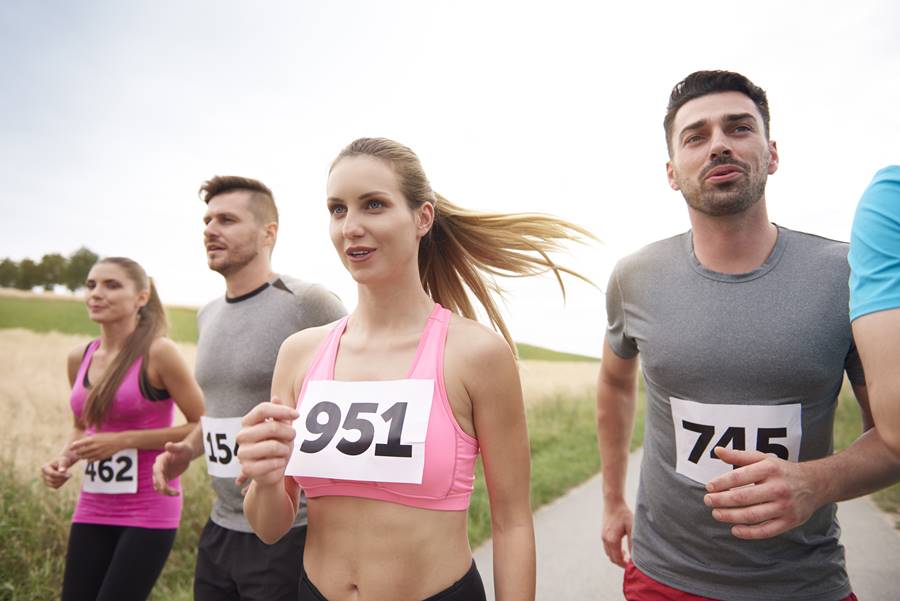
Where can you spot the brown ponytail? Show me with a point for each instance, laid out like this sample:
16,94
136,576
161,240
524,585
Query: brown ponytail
151,324
467,249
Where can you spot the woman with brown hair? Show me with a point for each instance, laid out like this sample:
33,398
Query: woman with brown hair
395,402
124,388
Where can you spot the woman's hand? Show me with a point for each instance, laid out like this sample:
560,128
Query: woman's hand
56,472
265,443
98,446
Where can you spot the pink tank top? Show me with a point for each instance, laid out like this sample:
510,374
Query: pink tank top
450,453
130,410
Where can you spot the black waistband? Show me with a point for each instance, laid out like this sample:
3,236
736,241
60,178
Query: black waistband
467,588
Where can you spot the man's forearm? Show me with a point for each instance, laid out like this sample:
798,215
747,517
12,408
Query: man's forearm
864,467
615,421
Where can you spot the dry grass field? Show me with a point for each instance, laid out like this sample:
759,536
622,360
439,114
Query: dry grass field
34,391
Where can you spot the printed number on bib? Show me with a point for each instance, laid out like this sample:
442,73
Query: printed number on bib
701,427
114,475
372,431
220,443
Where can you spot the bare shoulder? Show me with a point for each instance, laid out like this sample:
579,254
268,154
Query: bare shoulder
162,348
73,362
305,342
477,349
76,355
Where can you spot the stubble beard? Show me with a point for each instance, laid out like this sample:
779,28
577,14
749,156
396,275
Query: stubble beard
732,198
235,263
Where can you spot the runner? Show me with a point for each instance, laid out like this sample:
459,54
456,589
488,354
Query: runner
239,337
428,386
123,386
875,297
742,331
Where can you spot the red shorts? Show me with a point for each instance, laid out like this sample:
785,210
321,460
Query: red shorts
640,587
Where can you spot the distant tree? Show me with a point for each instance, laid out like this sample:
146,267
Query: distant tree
51,269
28,276
80,263
9,273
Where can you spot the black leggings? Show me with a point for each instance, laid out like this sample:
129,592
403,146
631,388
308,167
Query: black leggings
113,563
467,588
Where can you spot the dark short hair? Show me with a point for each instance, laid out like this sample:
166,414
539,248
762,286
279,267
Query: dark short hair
262,202
701,83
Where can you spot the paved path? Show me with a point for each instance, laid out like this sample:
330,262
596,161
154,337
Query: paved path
572,566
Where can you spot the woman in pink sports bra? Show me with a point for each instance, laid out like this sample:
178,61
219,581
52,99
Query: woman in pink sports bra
394,402
124,388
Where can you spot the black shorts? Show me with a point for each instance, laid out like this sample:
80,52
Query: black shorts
237,566
467,588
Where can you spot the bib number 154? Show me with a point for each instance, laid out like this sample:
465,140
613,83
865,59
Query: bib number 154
220,443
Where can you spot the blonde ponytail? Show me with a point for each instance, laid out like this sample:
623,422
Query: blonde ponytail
468,249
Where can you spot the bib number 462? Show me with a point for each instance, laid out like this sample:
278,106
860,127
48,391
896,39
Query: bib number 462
113,475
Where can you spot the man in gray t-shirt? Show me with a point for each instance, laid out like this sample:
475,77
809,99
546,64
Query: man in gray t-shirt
742,331
239,338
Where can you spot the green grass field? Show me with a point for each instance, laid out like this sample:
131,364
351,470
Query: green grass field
70,317
528,351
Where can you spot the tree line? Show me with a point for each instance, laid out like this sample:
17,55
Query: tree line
53,269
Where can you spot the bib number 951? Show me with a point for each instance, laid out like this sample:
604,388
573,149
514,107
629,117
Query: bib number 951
701,427
354,421
113,475
370,431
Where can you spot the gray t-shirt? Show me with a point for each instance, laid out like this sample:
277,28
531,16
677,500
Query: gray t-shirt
752,361
237,346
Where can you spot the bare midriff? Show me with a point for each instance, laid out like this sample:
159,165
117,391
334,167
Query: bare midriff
368,550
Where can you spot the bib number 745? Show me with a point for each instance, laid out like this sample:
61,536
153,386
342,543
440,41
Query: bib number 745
701,427
736,438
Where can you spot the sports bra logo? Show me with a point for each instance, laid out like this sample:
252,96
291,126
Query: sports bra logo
340,421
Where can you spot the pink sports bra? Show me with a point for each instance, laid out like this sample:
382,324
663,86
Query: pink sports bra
450,453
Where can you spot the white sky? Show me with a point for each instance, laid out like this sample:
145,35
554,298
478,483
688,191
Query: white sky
113,113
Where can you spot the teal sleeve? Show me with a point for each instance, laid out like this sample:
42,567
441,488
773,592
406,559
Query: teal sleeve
875,246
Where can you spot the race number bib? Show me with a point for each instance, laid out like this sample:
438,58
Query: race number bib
114,475
372,431
220,444
700,427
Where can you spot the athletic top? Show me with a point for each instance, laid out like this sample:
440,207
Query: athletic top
450,453
237,344
875,246
749,361
130,410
